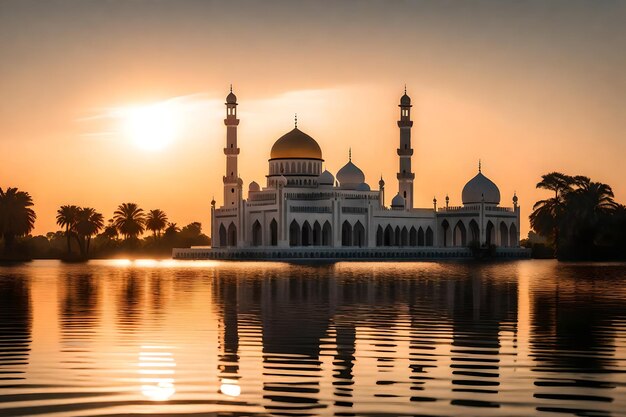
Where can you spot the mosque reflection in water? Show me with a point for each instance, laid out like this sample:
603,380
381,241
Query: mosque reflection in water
344,339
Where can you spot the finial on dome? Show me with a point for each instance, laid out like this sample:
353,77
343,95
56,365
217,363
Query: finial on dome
479,166
295,120
350,154
231,88
404,88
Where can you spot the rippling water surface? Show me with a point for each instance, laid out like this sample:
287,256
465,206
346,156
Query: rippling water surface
113,338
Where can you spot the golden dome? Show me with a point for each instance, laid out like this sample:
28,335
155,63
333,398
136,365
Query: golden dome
296,144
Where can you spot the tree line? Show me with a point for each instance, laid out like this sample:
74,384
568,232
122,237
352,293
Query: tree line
581,220
85,234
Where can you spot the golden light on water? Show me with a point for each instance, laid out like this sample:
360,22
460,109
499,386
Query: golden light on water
230,387
156,373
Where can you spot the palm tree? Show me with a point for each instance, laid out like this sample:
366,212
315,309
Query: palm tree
547,214
17,218
89,223
67,217
129,220
156,221
110,231
171,229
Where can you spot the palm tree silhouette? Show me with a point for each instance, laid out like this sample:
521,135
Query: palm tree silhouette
156,221
547,214
129,220
17,218
89,222
67,217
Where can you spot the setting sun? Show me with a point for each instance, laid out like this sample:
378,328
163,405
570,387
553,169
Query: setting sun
151,127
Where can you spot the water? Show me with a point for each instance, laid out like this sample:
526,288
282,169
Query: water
194,338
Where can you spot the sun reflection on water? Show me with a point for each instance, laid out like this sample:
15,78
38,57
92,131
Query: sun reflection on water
230,387
157,373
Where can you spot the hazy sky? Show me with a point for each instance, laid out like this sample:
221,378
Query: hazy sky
528,87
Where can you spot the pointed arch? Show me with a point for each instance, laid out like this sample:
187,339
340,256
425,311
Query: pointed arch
445,226
346,234
420,237
273,233
232,234
474,232
257,235
404,237
459,234
412,236
504,235
358,238
307,234
294,234
380,236
327,234
317,233
430,237
490,235
397,236
389,237
223,236
513,236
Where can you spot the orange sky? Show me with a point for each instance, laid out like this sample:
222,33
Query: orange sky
528,87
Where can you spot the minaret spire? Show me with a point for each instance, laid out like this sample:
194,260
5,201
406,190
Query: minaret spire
232,182
295,120
479,166
350,154
405,152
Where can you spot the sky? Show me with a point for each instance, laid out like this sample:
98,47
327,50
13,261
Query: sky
528,87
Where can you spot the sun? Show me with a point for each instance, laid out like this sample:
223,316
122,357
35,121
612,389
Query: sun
151,127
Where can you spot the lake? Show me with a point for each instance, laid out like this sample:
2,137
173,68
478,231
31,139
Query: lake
120,338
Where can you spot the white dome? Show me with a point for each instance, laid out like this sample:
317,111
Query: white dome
350,176
326,178
397,201
363,187
254,186
480,188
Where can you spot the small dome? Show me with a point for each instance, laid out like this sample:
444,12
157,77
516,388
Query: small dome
381,183
296,144
254,186
326,178
480,188
397,201
405,100
363,187
231,98
350,176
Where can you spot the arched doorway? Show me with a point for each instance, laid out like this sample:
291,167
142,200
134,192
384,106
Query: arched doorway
317,234
430,237
420,237
223,237
307,234
490,238
346,234
389,238
274,233
379,236
397,236
404,237
358,235
474,232
504,235
445,227
412,237
257,236
294,234
232,234
459,235
327,234
513,236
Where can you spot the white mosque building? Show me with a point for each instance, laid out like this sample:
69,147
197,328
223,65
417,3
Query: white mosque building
303,212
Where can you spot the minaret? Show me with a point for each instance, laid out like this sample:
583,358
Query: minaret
405,175
232,183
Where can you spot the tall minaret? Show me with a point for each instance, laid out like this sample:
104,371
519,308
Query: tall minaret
405,175
232,183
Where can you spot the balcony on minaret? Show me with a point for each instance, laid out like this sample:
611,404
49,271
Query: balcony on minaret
231,151
405,151
405,175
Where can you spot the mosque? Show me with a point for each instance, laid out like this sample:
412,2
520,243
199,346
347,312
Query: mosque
306,212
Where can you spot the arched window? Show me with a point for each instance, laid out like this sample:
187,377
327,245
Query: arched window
294,234
513,236
232,234
397,235
317,233
445,226
459,235
504,235
307,234
346,234
223,238
257,236
327,234
389,237
491,234
430,238
420,237
474,232
358,238
412,237
404,237
379,236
